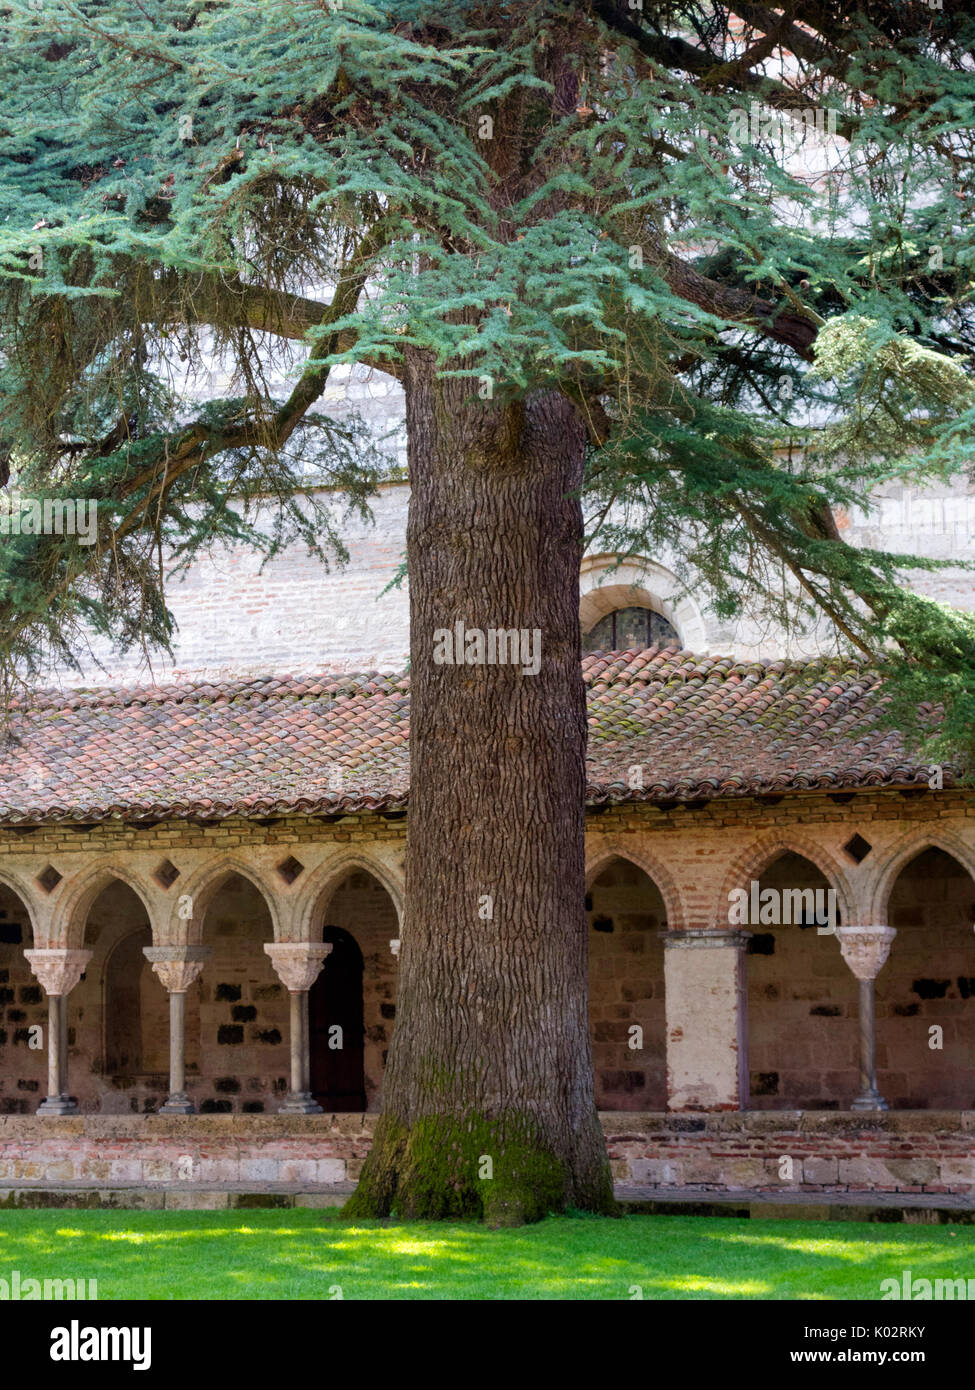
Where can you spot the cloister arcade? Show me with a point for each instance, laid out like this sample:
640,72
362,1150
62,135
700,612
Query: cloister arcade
229,989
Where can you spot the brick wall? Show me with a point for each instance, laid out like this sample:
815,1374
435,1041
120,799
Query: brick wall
773,1152
648,865
626,984
802,1008
236,616
788,1151
23,1069
364,909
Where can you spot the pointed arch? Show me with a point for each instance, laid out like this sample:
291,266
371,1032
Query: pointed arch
198,893
20,889
327,878
763,852
903,852
71,915
656,871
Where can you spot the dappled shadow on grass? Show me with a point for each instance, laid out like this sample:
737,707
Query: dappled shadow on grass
307,1254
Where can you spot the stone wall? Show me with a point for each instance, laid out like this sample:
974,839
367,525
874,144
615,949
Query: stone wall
802,1008
626,989
362,908
789,1151
237,616
23,1068
929,984
774,1152
648,867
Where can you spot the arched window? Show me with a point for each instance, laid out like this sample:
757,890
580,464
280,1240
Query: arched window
627,628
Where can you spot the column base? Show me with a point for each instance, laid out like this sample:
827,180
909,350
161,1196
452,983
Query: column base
870,1100
300,1103
177,1105
58,1105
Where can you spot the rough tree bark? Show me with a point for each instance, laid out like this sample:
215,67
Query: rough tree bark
488,1095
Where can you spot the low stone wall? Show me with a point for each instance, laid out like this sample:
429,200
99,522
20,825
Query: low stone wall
796,1151
781,1151
183,1150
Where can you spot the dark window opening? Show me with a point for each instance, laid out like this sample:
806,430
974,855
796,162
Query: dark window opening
627,628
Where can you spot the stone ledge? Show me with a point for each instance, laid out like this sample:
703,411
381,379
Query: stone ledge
154,1197
895,1208
772,1152
759,1122
150,1127
910,1209
615,1123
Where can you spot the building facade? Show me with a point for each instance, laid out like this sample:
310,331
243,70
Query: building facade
202,893
201,913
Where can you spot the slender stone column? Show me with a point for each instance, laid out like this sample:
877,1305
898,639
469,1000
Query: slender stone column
298,964
58,970
177,967
704,985
865,950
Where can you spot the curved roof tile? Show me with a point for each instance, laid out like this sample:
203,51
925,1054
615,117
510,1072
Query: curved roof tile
331,743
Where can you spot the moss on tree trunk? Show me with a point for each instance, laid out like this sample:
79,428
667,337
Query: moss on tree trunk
488,1094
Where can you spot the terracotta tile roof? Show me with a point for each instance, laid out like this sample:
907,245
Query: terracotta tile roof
700,727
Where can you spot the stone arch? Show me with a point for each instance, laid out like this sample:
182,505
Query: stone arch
109,910
907,848
655,870
15,885
328,877
123,1005
23,1068
242,1054
625,914
360,897
751,862
82,891
201,888
928,980
606,583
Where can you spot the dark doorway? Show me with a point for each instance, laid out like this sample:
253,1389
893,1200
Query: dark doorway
335,1000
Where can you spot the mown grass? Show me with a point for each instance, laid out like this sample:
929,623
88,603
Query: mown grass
310,1254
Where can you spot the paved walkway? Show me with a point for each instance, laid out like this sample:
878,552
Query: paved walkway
933,1208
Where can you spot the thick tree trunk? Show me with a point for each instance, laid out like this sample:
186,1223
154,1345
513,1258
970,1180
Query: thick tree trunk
488,1095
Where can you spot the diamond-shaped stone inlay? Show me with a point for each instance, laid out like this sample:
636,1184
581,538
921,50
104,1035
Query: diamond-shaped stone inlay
166,874
290,869
49,878
858,848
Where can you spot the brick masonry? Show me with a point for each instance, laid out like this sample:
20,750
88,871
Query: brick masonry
237,616
932,1152
654,871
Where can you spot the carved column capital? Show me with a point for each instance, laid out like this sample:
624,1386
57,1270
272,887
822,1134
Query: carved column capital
865,949
58,969
177,966
297,963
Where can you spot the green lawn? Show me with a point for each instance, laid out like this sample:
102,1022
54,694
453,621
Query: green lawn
305,1253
